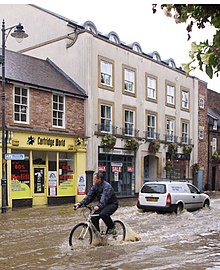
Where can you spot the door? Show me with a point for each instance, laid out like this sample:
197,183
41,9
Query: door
40,187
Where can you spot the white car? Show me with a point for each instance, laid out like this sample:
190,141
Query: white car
171,196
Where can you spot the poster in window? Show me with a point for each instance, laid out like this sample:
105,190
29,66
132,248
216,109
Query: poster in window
81,190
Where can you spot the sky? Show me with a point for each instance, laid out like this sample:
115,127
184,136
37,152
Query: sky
135,21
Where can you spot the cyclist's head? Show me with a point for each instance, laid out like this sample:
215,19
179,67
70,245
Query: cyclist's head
98,178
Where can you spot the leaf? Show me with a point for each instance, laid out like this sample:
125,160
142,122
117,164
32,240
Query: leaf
209,71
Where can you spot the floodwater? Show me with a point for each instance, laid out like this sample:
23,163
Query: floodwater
37,238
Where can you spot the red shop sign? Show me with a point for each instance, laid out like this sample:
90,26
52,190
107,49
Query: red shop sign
116,169
130,169
102,168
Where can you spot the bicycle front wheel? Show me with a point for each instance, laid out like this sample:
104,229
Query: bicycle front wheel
80,236
120,230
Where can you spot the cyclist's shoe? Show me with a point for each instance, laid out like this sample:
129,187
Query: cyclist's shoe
112,231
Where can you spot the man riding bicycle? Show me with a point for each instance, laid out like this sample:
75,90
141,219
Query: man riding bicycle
107,202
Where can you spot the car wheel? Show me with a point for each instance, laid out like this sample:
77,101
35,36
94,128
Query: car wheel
179,208
206,204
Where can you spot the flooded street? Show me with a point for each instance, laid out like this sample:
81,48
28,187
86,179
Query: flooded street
37,238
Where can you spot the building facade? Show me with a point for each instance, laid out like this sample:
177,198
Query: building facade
45,133
146,106
213,179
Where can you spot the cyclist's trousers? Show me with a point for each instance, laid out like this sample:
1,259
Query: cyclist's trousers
105,214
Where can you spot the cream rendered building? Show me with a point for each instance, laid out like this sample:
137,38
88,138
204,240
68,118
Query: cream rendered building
131,94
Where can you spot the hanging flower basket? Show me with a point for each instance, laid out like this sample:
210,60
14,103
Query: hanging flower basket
187,149
154,147
132,144
108,141
172,149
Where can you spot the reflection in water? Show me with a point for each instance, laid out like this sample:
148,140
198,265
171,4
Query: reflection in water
37,238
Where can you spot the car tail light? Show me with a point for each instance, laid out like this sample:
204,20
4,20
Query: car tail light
168,200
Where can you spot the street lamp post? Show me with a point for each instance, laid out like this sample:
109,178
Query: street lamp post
19,34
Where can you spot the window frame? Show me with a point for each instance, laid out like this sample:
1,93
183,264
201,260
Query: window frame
186,133
201,102
151,114
170,137
201,134
185,108
132,70
27,105
170,104
63,112
102,102
148,97
133,110
100,83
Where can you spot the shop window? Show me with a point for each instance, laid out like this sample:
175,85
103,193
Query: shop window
20,174
66,167
39,158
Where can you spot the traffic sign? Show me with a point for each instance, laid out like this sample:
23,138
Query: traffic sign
14,156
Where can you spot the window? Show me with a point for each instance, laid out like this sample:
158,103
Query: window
215,125
58,111
114,37
214,145
201,133
151,126
106,73
201,103
106,118
137,47
185,131
170,130
129,122
185,99
151,87
170,94
129,81
21,105
171,63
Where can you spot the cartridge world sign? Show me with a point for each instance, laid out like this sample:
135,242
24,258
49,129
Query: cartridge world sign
46,141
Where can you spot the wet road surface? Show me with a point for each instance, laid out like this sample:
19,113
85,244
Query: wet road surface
37,238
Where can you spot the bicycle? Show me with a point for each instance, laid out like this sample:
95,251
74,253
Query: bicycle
83,233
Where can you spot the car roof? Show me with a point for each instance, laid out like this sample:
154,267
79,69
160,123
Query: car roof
166,182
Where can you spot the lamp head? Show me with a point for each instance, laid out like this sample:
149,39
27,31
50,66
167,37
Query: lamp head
19,34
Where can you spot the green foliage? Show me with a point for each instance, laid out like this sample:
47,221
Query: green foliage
108,141
154,146
215,157
187,149
205,55
169,166
132,144
172,148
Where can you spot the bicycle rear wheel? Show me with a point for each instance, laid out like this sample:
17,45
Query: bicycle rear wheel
80,236
120,229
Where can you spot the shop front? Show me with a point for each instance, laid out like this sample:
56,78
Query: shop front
118,167
45,169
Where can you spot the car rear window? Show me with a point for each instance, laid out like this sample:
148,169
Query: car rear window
154,188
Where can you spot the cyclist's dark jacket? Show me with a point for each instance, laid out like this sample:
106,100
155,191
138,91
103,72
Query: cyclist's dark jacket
105,194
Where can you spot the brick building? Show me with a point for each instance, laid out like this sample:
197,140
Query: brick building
213,103
45,125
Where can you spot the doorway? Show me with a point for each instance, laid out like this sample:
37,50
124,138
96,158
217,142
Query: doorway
40,185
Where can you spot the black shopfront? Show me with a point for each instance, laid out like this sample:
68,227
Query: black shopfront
118,167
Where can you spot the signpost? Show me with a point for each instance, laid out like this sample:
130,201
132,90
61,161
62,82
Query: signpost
14,156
